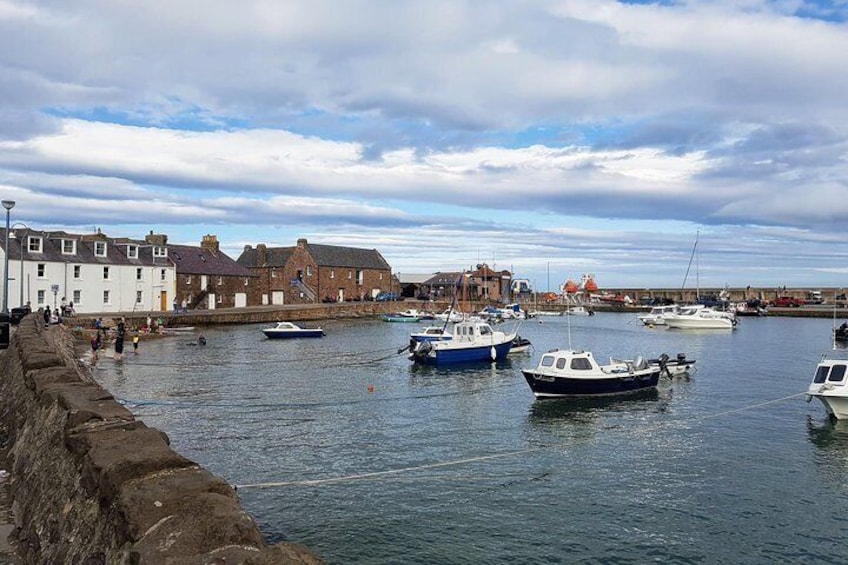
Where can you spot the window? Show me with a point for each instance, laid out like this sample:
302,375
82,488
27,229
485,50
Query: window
100,248
138,273
837,374
381,276
105,273
160,251
106,297
245,281
581,364
220,280
309,270
360,276
138,296
220,299
77,297
332,273
188,279
349,275
162,274
132,251
77,272
41,268
69,247
40,298
34,244
273,273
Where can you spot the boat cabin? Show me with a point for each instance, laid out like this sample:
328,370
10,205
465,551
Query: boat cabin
471,331
831,371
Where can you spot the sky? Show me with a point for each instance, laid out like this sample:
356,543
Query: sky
551,138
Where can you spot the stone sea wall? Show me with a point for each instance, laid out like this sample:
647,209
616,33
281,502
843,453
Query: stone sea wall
91,484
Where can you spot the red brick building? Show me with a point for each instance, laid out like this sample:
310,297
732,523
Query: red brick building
312,272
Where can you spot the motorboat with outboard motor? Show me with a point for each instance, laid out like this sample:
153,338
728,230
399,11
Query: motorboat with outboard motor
473,341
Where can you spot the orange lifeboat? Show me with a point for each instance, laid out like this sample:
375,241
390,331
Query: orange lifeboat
591,285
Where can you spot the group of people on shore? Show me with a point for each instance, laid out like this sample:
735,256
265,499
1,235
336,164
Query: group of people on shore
119,335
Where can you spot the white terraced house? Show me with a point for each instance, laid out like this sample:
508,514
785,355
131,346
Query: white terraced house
96,273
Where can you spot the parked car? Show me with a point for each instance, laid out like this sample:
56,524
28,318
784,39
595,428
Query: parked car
787,302
387,297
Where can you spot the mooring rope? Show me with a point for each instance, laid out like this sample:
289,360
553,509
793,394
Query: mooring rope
377,474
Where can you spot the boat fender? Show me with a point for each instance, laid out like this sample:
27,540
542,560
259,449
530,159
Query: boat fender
809,398
494,353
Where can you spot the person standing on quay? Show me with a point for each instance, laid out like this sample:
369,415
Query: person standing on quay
135,343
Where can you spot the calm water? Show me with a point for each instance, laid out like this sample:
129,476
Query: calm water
368,459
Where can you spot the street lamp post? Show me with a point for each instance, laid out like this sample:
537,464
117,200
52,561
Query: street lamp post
8,205
22,241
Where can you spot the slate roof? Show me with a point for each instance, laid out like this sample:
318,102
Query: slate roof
274,257
448,279
51,249
323,255
337,256
192,260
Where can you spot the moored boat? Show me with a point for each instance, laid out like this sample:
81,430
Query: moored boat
520,345
565,373
400,317
432,333
473,341
656,317
288,330
700,317
829,385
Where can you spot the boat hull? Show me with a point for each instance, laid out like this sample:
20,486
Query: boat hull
401,319
700,324
548,386
276,334
836,406
461,355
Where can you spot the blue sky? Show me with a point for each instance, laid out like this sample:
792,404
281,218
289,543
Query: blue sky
552,138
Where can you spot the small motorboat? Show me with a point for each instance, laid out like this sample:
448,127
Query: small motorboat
520,345
473,341
566,373
829,385
288,330
840,334
400,317
700,317
579,311
673,367
656,317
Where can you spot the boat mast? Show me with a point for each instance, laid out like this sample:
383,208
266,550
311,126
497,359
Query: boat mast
689,266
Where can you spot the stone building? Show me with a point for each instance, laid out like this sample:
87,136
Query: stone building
206,277
492,285
311,272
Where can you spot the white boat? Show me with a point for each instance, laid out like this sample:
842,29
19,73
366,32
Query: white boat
829,385
579,311
656,317
669,366
288,330
520,345
699,317
473,341
450,315
564,373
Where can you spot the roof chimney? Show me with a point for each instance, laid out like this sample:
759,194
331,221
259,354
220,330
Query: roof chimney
210,242
262,254
301,242
156,238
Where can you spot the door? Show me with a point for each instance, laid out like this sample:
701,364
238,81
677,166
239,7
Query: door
210,301
241,299
278,297
341,295
163,300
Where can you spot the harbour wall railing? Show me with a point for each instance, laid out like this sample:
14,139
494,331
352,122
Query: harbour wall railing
91,484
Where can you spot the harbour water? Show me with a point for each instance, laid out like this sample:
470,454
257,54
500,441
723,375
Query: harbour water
341,444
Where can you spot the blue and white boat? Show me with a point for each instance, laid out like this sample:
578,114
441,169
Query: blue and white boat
473,341
288,330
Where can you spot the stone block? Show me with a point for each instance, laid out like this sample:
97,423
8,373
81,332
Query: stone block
198,525
40,358
144,502
119,455
38,379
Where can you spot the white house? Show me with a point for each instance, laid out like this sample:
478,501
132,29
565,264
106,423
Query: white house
94,272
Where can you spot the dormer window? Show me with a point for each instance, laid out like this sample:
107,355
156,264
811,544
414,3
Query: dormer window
69,247
100,249
160,251
34,244
132,251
